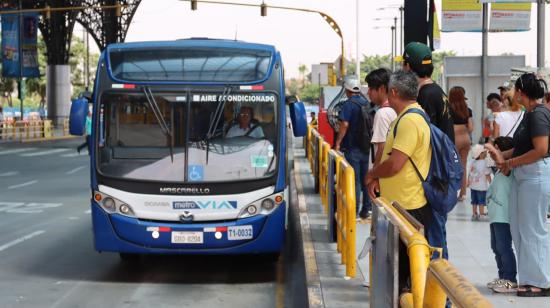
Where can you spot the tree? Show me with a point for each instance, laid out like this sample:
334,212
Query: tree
303,71
437,58
7,87
310,93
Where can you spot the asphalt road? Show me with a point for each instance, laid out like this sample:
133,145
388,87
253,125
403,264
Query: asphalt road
47,257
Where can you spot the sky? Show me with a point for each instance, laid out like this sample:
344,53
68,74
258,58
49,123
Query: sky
305,38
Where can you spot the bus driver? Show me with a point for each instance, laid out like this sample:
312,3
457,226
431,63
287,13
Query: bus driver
245,126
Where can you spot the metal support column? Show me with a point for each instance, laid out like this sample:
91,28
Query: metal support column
484,58
540,33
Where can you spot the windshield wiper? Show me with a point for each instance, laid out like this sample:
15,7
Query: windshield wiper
160,119
218,114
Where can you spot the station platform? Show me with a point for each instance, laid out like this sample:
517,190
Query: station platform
469,249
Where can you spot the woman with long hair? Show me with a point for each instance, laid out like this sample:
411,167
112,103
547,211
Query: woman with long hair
463,126
529,161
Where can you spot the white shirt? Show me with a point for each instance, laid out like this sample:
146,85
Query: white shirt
237,131
508,122
478,175
382,121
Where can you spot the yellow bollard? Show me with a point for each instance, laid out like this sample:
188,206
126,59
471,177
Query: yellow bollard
350,223
47,128
406,300
419,260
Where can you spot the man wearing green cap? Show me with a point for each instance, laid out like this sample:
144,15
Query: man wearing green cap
417,58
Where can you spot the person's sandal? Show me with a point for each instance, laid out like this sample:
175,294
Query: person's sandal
532,291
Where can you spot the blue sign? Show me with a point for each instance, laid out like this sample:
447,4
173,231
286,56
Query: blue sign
204,205
195,173
19,48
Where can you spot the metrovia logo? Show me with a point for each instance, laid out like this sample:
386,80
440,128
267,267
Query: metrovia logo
204,205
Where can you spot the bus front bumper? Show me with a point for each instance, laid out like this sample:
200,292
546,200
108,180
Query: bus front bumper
258,234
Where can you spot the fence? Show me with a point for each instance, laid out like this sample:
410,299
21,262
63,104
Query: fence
29,130
337,182
431,281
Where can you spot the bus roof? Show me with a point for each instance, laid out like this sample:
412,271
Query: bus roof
194,42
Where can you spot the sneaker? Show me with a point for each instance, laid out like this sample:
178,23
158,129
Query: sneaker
505,286
475,217
492,283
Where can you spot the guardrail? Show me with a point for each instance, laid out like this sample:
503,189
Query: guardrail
345,213
431,282
335,181
29,130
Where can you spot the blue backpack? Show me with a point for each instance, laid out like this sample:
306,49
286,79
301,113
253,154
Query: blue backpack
444,178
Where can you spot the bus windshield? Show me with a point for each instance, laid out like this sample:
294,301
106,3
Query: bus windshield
190,64
187,137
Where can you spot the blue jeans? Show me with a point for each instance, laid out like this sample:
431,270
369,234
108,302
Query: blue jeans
436,234
359,161
529,199
501,244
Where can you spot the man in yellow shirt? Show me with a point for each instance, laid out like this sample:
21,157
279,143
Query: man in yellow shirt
395,178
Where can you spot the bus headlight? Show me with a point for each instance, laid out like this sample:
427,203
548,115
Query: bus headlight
268,204
113,205
251,209
109,204
126,210
264,206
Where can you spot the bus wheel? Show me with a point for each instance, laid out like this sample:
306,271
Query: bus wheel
129,257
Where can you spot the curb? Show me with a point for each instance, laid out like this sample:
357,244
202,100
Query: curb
313,281
49,139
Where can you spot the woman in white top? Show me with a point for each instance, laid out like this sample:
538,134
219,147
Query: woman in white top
506,122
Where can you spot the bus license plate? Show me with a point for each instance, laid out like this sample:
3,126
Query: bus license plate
239,233
181,237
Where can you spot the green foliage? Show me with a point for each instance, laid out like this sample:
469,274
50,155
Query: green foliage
310,93
370,63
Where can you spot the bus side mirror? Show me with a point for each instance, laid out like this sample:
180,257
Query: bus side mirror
298,119
86,94
291,99
77,119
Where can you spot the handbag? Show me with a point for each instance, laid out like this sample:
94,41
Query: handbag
507,138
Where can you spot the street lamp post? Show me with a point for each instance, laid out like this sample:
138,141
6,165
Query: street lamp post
401,10
263,7
392,43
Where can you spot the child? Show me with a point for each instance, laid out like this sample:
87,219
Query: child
501,238
479,178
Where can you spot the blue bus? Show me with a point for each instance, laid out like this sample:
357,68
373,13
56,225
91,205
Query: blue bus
189,148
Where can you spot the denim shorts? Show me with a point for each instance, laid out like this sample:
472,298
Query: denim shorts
478,197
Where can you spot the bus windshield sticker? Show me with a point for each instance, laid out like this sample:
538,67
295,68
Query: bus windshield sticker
235,97
258,161
195,173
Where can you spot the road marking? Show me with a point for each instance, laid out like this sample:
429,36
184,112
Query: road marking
23,184
88,212
20,240
75,170
47,152
15,151
72,155
26,208
10,173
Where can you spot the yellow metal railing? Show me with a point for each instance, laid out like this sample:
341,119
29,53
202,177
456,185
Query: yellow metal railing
431,282
318,154
345,213
324,149
28,130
